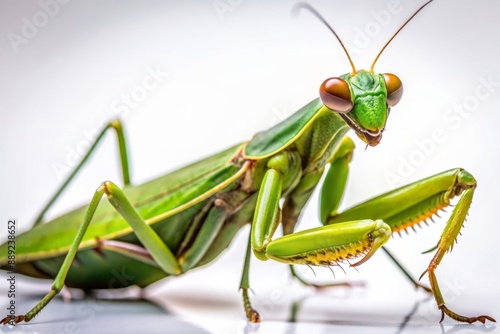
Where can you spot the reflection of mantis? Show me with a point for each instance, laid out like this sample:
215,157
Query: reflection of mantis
406,323
295,309
185,219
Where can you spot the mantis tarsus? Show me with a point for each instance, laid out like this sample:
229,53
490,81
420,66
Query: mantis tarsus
185,219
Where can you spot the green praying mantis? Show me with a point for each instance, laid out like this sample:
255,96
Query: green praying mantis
185,219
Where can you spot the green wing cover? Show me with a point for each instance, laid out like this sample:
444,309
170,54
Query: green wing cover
275,139
155,197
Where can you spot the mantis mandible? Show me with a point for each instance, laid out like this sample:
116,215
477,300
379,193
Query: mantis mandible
185,219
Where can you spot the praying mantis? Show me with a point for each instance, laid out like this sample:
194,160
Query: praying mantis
185,219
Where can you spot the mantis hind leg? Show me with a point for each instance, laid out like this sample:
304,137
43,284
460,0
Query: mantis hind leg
411,205
115,125
156,248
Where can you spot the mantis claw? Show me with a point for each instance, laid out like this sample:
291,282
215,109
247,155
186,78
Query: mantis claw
253,316
423,274
458,317
442,316
483,318
9,319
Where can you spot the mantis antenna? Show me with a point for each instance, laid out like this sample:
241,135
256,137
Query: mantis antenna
318,15
397,32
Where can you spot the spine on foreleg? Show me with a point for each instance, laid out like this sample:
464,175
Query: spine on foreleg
418,213
331,256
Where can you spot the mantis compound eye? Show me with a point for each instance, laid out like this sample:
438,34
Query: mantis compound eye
394,88
336,95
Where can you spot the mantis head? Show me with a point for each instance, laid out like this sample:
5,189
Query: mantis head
362,98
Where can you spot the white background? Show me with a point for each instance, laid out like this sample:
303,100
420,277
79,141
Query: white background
236,72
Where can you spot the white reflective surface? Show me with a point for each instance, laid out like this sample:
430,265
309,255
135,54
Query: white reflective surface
198,304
